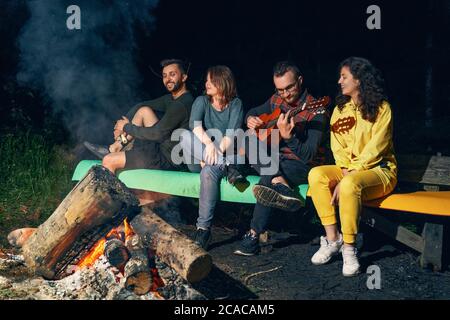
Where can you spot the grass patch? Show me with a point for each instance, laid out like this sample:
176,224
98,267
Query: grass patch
35,176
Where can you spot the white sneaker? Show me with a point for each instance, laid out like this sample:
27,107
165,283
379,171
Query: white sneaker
350,267
327,250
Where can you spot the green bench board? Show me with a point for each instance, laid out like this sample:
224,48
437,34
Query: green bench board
429,244
177,183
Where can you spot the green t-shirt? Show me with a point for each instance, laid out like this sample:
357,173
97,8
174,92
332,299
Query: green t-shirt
175,115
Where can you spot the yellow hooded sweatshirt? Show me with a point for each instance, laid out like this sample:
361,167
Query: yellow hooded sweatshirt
359,144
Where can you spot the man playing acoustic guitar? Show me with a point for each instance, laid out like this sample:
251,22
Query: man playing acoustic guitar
301,146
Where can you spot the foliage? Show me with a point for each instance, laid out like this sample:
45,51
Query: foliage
35,175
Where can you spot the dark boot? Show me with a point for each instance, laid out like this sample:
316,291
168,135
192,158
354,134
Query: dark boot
236,176
97,149
202,237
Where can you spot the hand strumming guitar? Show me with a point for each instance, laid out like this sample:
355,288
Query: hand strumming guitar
285,125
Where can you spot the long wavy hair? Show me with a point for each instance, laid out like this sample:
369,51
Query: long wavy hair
223,79
372,90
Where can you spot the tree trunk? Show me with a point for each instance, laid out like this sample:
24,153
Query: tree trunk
98,203
175,249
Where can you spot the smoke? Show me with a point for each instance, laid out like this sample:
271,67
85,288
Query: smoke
88,75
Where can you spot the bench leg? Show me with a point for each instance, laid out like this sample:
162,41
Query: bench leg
392,229
433,235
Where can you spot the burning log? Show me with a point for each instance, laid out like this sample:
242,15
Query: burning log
97,204
175,249
138,276
116,252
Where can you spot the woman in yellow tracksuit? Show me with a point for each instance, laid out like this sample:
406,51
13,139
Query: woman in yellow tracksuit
361,141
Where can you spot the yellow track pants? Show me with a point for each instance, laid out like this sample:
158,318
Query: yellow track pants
354,189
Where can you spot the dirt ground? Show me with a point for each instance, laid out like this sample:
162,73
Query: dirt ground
291,276
283,270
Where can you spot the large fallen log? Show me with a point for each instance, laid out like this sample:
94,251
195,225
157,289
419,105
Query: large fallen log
175,249
98,203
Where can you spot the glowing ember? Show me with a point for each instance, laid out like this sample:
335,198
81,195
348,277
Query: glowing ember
157,281
96,251
122,232
93,255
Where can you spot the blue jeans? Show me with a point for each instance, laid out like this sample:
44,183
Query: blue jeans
295,172
210,176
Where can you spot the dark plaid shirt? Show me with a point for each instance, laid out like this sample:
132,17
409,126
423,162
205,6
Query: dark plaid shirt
309,134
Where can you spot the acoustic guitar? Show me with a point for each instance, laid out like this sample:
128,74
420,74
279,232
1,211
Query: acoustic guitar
270,120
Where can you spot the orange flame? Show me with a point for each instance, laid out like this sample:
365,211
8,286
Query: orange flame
99,249
93,255
128,229
95,252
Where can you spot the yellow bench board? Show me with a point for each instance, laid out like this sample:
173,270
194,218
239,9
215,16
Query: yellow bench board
424,202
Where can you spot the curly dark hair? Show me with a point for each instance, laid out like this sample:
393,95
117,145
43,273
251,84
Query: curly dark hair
372,91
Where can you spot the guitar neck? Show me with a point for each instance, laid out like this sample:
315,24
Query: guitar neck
323,102
273,122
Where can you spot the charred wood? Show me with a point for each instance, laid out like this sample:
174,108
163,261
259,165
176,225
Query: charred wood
97,204
174,248
138,276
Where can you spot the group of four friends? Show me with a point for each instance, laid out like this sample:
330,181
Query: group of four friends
359,132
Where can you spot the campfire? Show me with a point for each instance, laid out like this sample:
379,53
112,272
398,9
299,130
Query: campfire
124,249
100,222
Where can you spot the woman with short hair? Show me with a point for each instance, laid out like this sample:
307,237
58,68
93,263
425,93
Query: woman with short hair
209,147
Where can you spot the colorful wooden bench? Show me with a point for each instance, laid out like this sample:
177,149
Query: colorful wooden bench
419,172
177,183
423,193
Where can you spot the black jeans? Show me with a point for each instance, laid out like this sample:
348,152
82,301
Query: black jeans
294,171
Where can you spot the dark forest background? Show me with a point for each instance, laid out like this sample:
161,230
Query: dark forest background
59,87
411,49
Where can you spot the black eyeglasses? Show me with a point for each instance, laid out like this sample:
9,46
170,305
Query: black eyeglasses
290,88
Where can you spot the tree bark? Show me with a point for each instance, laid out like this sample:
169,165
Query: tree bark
175,249
98,203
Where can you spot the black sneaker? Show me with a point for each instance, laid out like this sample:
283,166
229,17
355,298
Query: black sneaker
202,237
249,245
278,196
97,149
236,177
